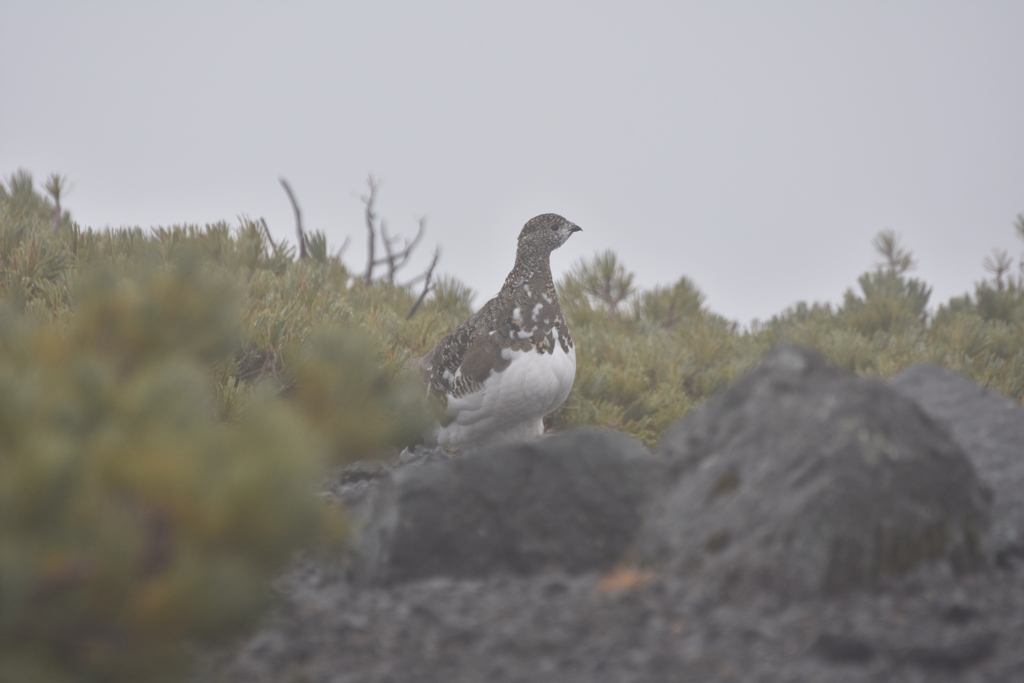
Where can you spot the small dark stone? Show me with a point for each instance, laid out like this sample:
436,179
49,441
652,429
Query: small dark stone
842,649
728,482
717,542
958,655
555,588
1008,554
958,613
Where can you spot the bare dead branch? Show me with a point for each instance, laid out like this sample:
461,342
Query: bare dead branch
409,246
395,257
266,232
427,286
397,260
389,257
416,279
298,218
371,218
341,250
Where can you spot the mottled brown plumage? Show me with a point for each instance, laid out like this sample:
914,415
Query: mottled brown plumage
525,316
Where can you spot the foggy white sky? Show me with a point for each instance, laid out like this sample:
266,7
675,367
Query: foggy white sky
756,148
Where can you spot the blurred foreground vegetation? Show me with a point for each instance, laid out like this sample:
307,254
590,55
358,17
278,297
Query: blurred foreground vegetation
170,403
170,400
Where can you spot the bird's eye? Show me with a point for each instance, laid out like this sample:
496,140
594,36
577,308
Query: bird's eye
554,226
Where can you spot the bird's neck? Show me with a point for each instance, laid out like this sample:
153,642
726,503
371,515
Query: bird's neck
529,268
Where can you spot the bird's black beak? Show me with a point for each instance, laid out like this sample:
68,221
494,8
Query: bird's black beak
575,228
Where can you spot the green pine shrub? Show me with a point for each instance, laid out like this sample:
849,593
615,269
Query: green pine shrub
889,303
639,371
134,519
150,487
602,281
886,327
643,360
670,306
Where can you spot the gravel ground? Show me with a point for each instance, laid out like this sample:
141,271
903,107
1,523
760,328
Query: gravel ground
628,626
632,626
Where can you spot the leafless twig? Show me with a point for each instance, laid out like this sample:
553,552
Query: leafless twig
341,249
371,218
395,260
266,231
389,258
427,286
298,218
394,257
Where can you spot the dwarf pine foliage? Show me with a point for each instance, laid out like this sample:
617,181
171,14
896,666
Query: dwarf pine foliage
886,326
639,372
169,403
171,399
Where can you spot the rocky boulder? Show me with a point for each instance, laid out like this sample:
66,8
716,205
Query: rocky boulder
803,480
570,502
990,429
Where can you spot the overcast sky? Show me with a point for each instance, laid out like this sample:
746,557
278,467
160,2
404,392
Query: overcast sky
755,147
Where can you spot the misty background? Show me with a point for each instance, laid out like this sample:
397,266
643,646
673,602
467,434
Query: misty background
756,148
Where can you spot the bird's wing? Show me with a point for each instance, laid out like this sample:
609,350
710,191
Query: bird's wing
464,359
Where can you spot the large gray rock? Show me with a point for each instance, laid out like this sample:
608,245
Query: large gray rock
570,502
802,480
990,429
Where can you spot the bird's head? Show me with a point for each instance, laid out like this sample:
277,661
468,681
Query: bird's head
545,233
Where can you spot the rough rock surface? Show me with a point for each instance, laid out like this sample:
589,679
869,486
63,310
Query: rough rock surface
990,428
921,628
802,479
630,625
570,502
